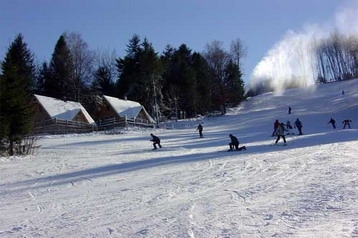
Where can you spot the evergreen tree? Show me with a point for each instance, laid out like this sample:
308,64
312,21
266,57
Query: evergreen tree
140,75
235,86
58,83
129,69
102,83
227,85
42,76
16,85
203,78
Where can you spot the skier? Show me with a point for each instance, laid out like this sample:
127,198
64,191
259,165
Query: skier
298,125
288,127
200,129
333,122
280,132
235,144
346,123
289,110
156,141
275,125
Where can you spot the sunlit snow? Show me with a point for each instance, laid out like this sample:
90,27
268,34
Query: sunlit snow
114,185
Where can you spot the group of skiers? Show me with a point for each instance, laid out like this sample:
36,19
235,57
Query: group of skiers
279,130
234,142
345,123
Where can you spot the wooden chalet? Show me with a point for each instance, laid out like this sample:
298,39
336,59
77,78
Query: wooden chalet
54,116
114,112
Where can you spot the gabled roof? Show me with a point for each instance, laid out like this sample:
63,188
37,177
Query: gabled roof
59,109
127,108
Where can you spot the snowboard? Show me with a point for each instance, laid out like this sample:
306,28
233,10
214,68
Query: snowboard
278,144
240,149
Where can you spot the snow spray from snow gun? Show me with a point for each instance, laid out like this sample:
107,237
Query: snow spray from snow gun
292,62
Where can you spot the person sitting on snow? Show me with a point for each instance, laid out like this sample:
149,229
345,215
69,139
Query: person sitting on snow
235,144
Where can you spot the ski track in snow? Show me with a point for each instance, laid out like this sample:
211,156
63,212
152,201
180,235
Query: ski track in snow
99,185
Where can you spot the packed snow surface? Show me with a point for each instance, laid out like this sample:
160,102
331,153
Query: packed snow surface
114,185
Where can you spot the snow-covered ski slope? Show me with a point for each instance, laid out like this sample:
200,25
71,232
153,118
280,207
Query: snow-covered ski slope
99,185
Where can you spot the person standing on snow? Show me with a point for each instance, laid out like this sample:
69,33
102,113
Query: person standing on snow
289,110
288,127
333,122
156,141
346,123
280,132
200,129
235,143
298,125
275,125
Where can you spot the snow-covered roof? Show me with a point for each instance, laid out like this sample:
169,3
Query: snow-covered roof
65,110
127,108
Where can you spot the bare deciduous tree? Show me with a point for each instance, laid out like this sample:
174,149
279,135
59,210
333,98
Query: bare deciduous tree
83,61
238,51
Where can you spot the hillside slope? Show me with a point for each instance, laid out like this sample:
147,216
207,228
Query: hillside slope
99,185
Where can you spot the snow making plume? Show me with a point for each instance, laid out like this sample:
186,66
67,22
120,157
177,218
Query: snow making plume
292,61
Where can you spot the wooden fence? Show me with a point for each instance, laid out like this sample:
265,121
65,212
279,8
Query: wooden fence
58,126
111,123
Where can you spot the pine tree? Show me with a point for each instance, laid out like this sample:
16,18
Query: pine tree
16,84
102,83
140,75
58,83
129,70
202,75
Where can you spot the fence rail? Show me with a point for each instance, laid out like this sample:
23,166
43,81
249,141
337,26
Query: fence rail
58,126
110,123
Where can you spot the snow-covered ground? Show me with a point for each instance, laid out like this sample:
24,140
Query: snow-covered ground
99,185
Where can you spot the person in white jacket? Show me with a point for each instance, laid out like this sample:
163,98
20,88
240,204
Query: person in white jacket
280,132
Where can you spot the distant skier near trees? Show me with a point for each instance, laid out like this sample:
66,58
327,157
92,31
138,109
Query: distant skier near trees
156,141
200,129
234,144
333,122
298,125
280,132
346,123
275,125
289,110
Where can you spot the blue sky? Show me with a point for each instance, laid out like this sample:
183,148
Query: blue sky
109,24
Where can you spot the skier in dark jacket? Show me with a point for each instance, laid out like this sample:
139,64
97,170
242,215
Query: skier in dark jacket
235,144
200,129
346,123
298,125
156,141
275,125
333,122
